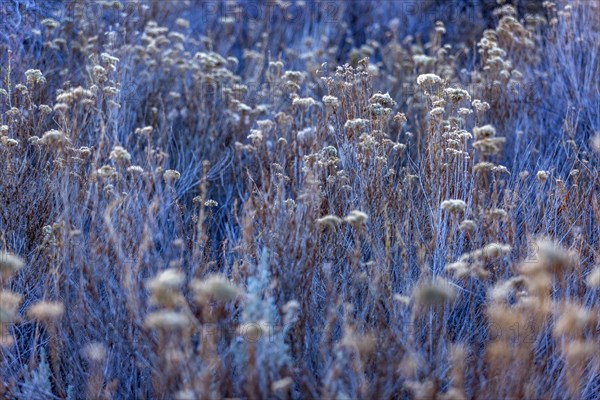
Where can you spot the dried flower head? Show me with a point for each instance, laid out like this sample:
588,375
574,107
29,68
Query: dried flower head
46,311
468,225
167,320
106,171
542,176
428,79
356,123
331,101
10,264
171,175
53,136
282,385
211,203
135,170
356,218
305,102
433,294
330,221
216,287
383,99
94,352
593,279
454,205
456,94
119,154
34,77
9,304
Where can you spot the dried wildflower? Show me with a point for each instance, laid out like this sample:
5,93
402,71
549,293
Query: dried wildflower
457,95
265,125
282,384
171,175
385,100
454,205
494,250
428,79
166,320
119,154
216,287
45,109
480,106
490,145
94,352
305,102
596,142
593,279
501,169
498,213
13,112
550,259
436,112
484,132
10,142
182,23
468,225
110,60
255,136
356,218
135,170
331,101
10,264
171,279
211,203
542,176
53,136
459,269
436,293
46,311
50,23
34,77
356,123
9,304
330,221
145,131
306,135
573,320
294,76
106,171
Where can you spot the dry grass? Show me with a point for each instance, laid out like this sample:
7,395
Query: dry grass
228,200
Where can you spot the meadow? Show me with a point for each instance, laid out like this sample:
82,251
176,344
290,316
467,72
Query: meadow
297,199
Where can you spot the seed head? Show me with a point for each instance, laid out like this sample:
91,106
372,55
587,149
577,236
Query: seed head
46,311
168,320
331,101
434,294
216,287
593,279
330,221
95,352
356,218
9,303
119,154
484,132
428,79
106,171
171,175
454,205
543,176
10,264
